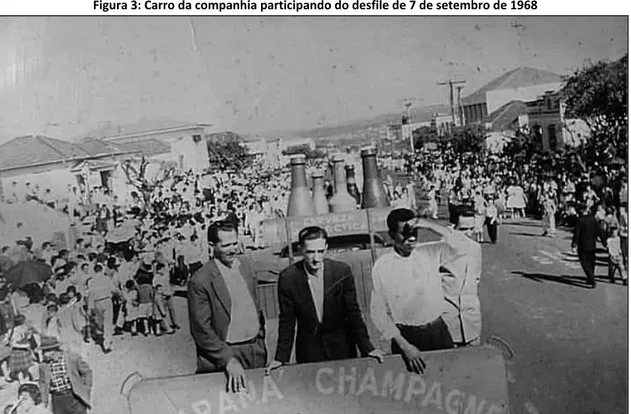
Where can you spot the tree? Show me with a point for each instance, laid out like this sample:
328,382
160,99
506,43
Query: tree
136,174
227,155
597,94
468,138
424,135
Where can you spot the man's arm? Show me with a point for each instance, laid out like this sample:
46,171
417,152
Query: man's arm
286,319
354,314
380,312
43,385
86,373
204,334
576,235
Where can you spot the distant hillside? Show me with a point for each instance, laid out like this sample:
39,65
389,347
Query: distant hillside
351,128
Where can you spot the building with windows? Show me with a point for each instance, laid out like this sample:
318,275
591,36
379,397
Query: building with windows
187,143
520,84
546,116
51,164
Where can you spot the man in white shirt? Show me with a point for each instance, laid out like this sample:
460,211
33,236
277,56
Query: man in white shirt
407,298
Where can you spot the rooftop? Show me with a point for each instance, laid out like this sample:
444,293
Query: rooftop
31,150
38,149
517,78
504,117
143,127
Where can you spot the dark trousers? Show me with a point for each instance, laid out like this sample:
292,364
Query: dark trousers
67,403
430,337
588,263
624,245
454,214
251,354
492,229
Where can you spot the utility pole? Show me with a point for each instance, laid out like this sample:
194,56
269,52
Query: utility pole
451,84
460,114
407,125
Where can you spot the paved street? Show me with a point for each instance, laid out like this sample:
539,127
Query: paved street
569,341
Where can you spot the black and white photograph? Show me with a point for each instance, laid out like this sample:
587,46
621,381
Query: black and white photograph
314,214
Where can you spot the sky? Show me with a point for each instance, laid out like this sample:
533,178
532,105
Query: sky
65,77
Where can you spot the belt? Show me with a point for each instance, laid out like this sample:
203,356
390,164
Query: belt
424,326
247,342
62,392
102,299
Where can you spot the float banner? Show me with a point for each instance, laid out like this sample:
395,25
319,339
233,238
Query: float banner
460,381
336,224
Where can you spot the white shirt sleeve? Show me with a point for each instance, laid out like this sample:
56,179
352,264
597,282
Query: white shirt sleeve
380,311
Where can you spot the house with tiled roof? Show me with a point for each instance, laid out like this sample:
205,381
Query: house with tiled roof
520,84
186,142
53,164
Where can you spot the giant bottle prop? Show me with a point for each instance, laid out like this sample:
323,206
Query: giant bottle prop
300,201
351,184
319,196
341,200
374,194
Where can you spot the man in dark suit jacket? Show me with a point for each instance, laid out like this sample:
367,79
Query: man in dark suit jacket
226,322
319,296
584,241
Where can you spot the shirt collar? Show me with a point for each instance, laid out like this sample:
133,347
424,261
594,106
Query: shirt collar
317,275
235,264
59,359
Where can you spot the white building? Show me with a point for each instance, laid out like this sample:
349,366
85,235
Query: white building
520,84
187,143
270,152
546,116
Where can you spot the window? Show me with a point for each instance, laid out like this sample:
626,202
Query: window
552,137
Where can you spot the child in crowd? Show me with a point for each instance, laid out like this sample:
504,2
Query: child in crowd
20,339
129,312
492,219
160,312
615,257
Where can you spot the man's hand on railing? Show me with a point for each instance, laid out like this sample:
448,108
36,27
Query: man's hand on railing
272,366
377,354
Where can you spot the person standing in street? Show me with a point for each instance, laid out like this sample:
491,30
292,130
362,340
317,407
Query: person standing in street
318,296
549,213
623,220
492,219
101,291
226,323
586,232
65,379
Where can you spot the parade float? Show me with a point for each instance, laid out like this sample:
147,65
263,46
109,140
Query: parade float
470,379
